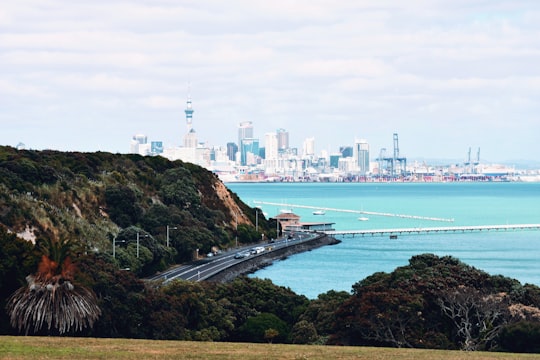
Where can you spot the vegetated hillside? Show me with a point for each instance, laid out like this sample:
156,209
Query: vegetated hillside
96,197
72,206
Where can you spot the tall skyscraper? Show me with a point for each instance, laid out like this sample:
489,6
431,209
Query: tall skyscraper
309,147
245,131
232,149
271,145
361,155
283,139
189,114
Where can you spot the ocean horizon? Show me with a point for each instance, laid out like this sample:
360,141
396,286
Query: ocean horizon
513,254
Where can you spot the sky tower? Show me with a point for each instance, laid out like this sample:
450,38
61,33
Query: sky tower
189,114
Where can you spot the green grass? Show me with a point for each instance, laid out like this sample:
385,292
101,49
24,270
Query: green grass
26,347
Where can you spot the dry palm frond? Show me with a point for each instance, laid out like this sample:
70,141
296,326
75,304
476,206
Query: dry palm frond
60,306
51,298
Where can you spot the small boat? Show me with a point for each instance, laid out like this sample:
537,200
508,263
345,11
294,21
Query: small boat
363,218
319,212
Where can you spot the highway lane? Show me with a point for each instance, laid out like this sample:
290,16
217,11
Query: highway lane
205,268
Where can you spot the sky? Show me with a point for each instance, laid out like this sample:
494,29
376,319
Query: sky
445,76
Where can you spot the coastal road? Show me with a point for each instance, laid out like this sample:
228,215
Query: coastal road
205,268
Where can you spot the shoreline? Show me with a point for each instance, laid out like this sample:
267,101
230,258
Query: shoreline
265,259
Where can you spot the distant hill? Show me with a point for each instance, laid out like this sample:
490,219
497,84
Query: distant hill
98,197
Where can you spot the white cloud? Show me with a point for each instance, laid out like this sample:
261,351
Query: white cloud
298,65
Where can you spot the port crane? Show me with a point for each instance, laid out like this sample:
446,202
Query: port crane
395,165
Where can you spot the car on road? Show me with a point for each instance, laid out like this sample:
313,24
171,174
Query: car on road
257,250
241,255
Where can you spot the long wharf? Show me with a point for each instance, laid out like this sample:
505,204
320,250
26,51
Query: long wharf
416,217
428,230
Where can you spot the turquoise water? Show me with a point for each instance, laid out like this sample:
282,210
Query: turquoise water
515,253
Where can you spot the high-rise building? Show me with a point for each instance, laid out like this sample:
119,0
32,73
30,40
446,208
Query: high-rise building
309,147
282,139
346,151
361,156
271,141
139,145
245,131
232,149
271,152
249,151
156,147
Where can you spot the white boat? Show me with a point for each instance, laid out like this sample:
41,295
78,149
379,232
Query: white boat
363,218
319,212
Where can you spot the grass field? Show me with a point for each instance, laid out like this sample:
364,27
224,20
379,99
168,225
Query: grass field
26,347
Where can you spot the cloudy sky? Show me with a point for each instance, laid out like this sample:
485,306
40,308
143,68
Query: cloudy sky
444,75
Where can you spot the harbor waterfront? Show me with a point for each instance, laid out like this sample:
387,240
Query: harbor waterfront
510,252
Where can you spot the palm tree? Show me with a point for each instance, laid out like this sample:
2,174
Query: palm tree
51,298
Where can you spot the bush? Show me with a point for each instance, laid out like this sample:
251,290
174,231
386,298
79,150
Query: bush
520,337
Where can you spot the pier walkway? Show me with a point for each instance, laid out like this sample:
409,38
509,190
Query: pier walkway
406,216
428,230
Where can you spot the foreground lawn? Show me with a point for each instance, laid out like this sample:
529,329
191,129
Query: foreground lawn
25,347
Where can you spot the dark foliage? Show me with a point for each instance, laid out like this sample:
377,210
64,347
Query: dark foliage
520,337
434,302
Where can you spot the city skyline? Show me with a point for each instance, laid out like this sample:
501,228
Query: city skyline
445,76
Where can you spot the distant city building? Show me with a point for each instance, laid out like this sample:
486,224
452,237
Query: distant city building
282,139
156,147
249,151
346,151
271,145
245,131
192,151
139,145
309,147
361,156
334,160
189,114
271,152
190,138
232,149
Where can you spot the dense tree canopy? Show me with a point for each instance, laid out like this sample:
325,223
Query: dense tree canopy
99,200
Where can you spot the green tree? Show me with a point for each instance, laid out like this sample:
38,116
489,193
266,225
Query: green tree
520,337
256,327
321,311
304,332
177,188
122,205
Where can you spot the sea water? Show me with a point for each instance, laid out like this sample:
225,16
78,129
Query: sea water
515,254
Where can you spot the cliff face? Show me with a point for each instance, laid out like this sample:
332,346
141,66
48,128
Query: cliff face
93,196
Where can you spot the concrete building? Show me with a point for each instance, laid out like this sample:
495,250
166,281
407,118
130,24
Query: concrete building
283,139
361,156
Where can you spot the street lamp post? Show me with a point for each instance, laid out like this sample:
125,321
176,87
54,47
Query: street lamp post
137,244
236,227
170,228
146,235
114,247
256,219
